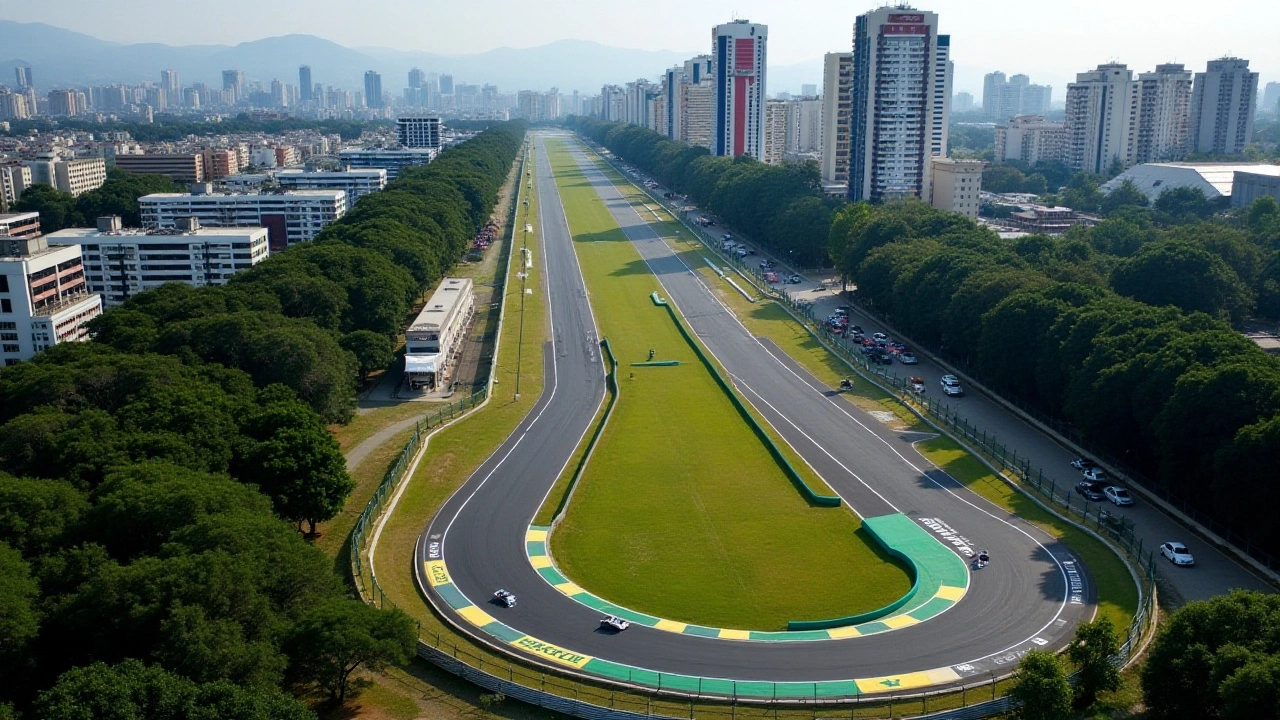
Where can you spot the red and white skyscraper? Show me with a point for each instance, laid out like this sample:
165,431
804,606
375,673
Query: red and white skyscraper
738,51
901,103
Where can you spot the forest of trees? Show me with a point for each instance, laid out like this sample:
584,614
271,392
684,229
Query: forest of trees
780,207
153,482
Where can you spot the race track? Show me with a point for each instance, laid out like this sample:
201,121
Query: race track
1032,596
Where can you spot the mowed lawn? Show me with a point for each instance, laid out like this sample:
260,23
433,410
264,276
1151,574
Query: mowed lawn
682,512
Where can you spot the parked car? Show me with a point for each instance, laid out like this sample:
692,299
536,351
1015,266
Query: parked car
1090,491
766,264
843,310
795,280
505,598
772,277
880,337
917,385
614,623
1095,474
1177,553
1118,495
906,357
1083,463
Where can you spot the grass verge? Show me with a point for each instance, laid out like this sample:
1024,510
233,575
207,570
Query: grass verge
681,512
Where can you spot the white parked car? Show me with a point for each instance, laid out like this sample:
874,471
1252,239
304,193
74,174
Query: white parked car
1118,495
906,357
1094,474
615,623
1177,553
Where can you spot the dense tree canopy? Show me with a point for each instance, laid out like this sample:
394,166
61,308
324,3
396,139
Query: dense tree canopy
117,196
152,482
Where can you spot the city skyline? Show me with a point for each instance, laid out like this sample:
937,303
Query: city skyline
801,34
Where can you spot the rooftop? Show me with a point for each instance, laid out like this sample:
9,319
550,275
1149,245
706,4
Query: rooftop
76,233
1214,179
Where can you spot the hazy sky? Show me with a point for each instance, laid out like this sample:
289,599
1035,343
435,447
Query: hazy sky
1050,41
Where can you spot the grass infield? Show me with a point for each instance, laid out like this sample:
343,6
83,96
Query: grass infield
681,512
1117,595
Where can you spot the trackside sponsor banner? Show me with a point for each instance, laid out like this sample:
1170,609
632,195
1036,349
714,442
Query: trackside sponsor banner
552,652
437,574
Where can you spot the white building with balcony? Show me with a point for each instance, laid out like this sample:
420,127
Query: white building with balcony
289,217
44,298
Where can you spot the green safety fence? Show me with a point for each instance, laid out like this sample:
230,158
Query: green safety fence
612,380
806,491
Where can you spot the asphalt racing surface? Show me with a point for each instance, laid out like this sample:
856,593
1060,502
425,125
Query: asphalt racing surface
1032,596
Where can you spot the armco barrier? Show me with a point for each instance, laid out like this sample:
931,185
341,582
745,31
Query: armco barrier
612,380
806,491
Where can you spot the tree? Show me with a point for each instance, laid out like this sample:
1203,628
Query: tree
373,351
1040,687
1183,204
1215,658
57,209
336,638
19,618
134,691
1127,195
1092,650
1176,272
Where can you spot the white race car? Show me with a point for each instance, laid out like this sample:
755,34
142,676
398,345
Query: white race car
505,598
615,623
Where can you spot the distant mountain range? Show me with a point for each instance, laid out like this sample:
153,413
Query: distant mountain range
61,57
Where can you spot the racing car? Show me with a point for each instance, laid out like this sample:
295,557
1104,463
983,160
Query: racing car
614,623
505,598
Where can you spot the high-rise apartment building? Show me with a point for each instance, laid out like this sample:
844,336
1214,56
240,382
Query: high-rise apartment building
419,131
956,185
1164,114
809,90
804,127
1222,107
22,74
1030,139
739,51
233,86
1270,100
14,179
1102,114
837,116
372,89
13,106
172,86
698,113
901,97
44,299
1003,98
305,88
962,102
64,102
675,96
777,120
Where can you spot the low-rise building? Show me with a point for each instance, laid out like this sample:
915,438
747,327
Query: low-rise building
1246,187
120,263
76,176
1030,139
14,179
44,298
1215,180
355,183
435,338
289,217
179,167
390,160
956,185
220,163
20,225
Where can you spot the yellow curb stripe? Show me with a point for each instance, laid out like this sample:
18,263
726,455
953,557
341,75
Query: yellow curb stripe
540,561
899,621
843,632
947,592
536,536
475,616
437,573
735,634
671,626
569,589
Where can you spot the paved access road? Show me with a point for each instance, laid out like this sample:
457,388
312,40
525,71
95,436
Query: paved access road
1215,572
1023,601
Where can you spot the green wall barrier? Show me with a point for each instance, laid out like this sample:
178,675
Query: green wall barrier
873,614
805,491
612,380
